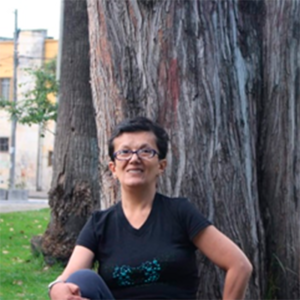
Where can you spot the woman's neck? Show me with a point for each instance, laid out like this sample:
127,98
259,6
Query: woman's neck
137,198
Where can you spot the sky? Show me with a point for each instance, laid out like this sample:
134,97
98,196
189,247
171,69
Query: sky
32,14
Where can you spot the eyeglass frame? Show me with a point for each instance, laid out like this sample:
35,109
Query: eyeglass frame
154,152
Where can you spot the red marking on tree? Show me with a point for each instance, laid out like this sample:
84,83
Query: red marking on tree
173,84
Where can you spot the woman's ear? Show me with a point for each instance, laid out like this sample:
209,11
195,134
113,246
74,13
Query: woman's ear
112,168
162,166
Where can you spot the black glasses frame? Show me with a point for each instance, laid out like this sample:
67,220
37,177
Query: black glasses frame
137,152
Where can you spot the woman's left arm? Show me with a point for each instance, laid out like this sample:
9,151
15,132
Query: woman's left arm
228,256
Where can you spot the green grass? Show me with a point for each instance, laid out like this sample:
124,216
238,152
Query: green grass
23,275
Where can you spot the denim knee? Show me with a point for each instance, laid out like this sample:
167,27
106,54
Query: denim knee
91,285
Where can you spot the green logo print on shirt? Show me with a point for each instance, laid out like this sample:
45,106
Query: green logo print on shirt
148,271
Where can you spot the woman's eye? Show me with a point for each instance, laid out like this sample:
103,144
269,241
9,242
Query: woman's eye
124,152
147,151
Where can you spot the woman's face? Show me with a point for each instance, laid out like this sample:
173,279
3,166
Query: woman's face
137,172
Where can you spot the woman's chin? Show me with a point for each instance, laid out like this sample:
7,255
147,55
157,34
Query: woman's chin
134,183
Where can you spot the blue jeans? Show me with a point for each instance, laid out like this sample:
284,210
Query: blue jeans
91,285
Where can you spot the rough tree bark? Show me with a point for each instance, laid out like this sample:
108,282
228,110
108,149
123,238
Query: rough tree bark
279,167
194,66
74,190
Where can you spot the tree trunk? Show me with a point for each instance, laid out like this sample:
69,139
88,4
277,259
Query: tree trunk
74,190
280,148
196,67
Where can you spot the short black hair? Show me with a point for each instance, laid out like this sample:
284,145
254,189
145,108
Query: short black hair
138,124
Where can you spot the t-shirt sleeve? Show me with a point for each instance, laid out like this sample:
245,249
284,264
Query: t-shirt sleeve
87,236
191,218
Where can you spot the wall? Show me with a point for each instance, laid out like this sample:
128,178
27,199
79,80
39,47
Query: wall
30,172
6,71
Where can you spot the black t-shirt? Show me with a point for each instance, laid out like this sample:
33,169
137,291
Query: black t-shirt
156,261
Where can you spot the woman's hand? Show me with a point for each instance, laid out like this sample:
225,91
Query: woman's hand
65,291
81,258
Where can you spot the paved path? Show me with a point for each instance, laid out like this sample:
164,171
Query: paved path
25,205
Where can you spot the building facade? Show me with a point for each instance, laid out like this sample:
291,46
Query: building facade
33,153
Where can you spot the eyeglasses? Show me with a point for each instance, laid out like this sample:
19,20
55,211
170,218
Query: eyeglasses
141,153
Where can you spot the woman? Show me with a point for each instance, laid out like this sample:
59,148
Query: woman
145,244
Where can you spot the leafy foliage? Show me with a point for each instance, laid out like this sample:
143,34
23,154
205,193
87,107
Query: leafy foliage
36,107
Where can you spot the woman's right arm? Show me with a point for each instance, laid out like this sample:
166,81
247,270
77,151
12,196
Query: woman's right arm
81,258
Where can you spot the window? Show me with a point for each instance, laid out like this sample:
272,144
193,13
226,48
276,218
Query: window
4,144
5,88
50,158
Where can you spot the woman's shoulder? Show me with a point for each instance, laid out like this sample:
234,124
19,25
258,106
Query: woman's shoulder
101,214
175,205
173,201
178,205
185,212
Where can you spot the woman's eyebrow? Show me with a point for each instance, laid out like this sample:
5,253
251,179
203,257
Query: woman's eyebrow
140,146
